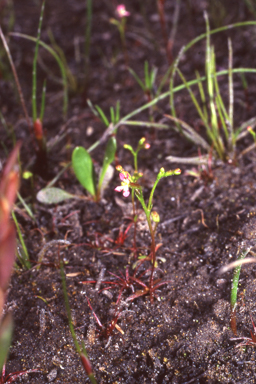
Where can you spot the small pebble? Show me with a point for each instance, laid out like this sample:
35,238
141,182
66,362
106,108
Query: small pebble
52,375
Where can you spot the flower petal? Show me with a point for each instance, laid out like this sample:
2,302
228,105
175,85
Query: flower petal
121,176
126,192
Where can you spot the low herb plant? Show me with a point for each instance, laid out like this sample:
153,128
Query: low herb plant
83,167
131,183
82,163
84,170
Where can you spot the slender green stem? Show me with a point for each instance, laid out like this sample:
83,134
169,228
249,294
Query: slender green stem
147,211
234,289
153,259
42,109
150,204
25,256
65,294
231,96
82,353
34,84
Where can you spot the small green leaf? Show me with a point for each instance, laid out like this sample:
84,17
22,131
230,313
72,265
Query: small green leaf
83,168
109,156
6,329
53,195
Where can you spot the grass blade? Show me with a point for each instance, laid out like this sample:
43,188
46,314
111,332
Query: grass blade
60,64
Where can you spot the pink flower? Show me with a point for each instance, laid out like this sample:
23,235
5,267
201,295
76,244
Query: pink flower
125,183
121,11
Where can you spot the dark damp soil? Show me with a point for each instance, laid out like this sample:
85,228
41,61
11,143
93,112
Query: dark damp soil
185,335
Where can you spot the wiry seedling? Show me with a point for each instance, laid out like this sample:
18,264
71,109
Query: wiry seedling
14,375
122,234
132,283
98,241
204,171
124,282
107,331
247,341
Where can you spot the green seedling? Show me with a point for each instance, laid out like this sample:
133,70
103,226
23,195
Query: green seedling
234,289
84,169
131,182
148,86
236,265
114,113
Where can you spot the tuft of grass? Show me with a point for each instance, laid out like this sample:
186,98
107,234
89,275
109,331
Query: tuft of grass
217,119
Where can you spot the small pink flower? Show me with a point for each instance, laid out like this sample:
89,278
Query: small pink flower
125,183
121,11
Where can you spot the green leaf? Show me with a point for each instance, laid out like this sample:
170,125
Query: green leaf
53,195
109,156
6,329
83,168
102,116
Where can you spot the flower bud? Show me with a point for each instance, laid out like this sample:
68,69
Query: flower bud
119,168
155,217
